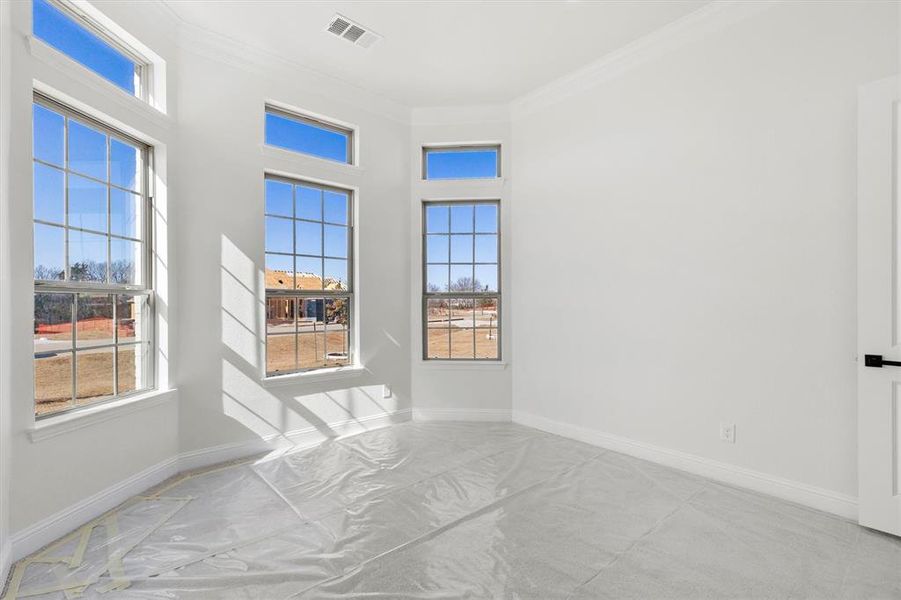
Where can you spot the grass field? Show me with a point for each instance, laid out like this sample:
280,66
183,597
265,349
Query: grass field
53,378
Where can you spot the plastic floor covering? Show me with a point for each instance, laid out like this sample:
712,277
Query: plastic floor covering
458,510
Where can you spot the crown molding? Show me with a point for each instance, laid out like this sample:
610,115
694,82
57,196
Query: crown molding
215,46
693,27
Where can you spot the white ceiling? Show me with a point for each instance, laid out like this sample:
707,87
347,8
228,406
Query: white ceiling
438,53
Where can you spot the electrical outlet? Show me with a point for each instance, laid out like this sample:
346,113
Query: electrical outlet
727,432
386,391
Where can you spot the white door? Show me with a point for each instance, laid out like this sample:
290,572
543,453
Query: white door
879,307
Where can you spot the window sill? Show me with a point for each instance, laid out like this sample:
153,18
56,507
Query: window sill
337,374
462,365
91,415
43,52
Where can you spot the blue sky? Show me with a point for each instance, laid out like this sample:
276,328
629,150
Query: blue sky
64,34
303,137
461,164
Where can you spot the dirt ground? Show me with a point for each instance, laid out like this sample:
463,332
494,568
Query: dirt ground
458,343
280,351
53,379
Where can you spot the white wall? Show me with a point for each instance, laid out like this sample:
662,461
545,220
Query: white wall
5,401
219,177
444,390
698,209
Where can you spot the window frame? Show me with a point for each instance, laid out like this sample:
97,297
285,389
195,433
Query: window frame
299,294
320,123
449,295
460,148
146,288
143,66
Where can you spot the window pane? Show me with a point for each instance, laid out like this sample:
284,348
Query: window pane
279,235
438,343
125,217
87,150
485,278
52,382
311,348
87,256
437,248
485,312
310,314
125,165
278,198
49,193
309,238
125,261
134,367
281,354
309,203
87,204
437,313
461,312
486,248
71,38
337,331
335,274
336,241
461,278
486,218
437,218
280,314
93,374
49,252
436,278
486,343
94,320
461,248
335,207
279,272
455,163
48,136
281,342
462,343
131,318
461,218
52,322
305,137
309,273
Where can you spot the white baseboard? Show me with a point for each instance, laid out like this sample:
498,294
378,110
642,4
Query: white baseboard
794,491
38,535
462,414
45,531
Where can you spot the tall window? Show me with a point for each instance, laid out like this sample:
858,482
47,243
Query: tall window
461,295
92,287
309,266
82,41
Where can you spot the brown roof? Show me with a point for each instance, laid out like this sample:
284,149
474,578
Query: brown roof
282,280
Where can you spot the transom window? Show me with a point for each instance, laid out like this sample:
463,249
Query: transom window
461,162
86,43
461,280
309,266
306,135
93,297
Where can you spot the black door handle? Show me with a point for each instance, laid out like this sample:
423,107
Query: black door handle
876,360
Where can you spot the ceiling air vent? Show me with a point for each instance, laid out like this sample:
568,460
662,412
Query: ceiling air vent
354,33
